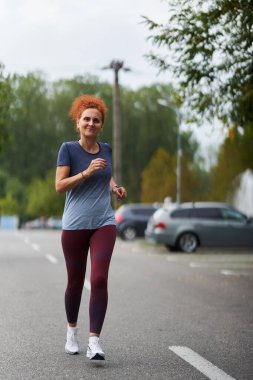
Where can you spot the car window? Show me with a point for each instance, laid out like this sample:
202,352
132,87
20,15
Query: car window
230,214
180,213
206,213
143,211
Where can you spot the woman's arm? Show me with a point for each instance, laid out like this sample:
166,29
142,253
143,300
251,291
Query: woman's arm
119,191
113,183
63,182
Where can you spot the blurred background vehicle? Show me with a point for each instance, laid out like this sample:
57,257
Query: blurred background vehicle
131,219
35,224
54,223
186,226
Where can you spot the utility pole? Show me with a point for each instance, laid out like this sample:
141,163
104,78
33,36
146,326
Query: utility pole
116,66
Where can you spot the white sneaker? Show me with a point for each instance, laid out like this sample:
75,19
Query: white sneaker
71,346
94,351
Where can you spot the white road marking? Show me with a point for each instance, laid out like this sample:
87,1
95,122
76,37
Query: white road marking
52,259
200,363
35,246
87,284
26,240
227,272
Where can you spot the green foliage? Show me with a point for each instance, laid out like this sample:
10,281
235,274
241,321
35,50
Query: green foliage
5,108
12,195
211,51
43,199
235,156
29,153
3,181
147,125
9,205
210,45
159,179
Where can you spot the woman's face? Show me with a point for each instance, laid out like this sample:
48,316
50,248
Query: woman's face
90,123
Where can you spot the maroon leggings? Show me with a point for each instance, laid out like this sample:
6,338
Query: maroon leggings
76,244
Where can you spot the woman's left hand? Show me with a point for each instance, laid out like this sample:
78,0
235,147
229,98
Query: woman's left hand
120,192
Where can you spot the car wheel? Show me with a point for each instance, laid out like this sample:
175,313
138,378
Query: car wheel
129,233
188,242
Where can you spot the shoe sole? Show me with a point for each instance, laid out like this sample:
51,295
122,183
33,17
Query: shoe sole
71,353
97,357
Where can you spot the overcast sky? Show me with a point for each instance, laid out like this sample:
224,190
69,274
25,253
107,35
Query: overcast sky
67,37
64,38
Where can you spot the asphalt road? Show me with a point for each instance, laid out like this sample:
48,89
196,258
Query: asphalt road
170,316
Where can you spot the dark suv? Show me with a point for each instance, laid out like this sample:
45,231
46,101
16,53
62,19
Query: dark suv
186,226
131,219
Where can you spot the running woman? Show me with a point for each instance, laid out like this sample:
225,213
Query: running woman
84,172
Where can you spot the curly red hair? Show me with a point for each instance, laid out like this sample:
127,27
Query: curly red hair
83,102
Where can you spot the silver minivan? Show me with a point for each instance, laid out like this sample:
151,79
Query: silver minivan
186,226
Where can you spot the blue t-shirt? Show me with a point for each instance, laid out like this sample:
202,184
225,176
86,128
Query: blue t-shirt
88,205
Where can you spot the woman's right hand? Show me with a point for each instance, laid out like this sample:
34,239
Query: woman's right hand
64,183
95,165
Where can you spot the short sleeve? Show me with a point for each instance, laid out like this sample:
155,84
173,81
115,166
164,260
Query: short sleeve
109,148
63,158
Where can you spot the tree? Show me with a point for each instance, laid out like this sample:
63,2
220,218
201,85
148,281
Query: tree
43,199
159,179
12,195
147,126
5,107
32,135
210,46
3,182
9,205
229,165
